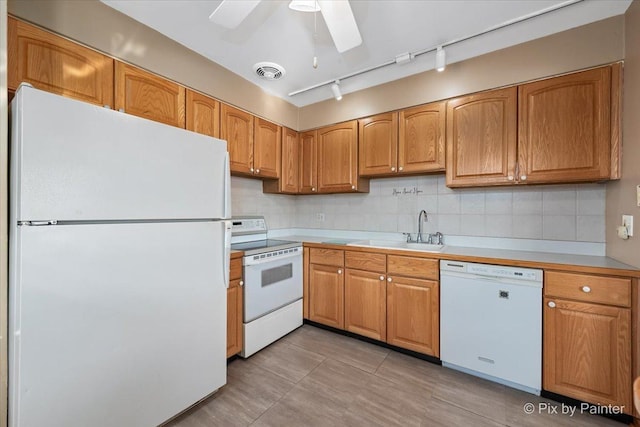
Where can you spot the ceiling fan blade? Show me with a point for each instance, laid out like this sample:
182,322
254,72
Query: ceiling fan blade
230,13
341,23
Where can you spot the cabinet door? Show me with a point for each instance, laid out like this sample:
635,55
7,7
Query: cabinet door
481,139
326,295
234,318
413,315
378,144
236,127
564,129
290,171
308,162
203,114
365,303
338,158
57,65
266,148
421,142
147,95
587,352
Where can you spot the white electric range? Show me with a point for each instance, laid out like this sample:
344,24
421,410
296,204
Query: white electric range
272,283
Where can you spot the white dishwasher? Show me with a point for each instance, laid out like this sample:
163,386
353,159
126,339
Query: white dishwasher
491,322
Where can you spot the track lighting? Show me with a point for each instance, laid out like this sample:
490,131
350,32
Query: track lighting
441,60
335,88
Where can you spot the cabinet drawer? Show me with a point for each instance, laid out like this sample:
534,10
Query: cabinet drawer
327,256
423,268
235,270
366,261
584,287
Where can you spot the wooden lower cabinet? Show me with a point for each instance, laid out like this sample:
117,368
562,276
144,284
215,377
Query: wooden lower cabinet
413,315
365,308
234,308
587,352
326,295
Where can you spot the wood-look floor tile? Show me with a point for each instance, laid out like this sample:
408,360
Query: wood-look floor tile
476,395
384,403
351,351
443,414
338,379
412,373
288,361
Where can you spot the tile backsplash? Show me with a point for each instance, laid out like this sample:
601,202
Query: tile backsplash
565,212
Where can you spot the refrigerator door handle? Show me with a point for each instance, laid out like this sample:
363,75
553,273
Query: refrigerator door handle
227,187
227,252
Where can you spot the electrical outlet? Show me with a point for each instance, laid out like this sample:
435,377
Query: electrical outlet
320,217
627,221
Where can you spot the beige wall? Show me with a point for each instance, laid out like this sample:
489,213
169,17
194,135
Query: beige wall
587,46
621,195
103,28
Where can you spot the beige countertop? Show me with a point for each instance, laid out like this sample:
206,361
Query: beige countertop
582,263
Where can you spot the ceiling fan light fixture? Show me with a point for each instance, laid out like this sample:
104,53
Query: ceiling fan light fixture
304,5
441,59
335,88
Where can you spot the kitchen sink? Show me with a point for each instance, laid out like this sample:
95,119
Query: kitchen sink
391,244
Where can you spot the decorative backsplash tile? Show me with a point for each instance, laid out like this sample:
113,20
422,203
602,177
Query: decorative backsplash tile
563,212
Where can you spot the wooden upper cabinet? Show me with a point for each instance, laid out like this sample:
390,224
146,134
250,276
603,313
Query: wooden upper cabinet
266,148
147,95
236,127
203,114
564,129
309,162
290,169
337,149
57,65
481,138
421,138
378,144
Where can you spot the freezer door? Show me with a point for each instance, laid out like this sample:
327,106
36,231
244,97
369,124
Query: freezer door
73,161
115,325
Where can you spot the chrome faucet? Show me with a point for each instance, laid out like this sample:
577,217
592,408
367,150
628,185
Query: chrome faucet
420,221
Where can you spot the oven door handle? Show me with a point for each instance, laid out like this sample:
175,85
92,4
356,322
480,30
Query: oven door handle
249,259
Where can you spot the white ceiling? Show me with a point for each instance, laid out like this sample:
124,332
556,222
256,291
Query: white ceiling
275,33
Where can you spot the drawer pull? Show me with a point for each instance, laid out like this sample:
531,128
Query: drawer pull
389,279
381,277
551,304
586,289
339,271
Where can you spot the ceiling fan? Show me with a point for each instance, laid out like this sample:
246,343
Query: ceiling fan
336,13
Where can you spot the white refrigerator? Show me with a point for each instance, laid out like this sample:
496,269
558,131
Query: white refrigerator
119,253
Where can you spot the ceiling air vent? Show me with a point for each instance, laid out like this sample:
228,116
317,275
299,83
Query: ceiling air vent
269,70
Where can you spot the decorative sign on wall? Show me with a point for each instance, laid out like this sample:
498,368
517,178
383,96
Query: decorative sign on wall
404,191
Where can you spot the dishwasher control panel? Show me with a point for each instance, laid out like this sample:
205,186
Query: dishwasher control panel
488,270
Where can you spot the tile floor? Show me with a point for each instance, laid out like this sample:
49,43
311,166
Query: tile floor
313,377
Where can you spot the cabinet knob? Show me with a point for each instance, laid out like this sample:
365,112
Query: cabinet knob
586,289
241,283
510,177
339,271
251,170
523,177
400,168
381,277
353,187
313,188
257,170
389,279
393,168
551,304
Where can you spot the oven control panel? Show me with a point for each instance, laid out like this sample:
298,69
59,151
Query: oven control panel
248,225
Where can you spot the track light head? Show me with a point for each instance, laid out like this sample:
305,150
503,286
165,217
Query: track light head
441,60
335,88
